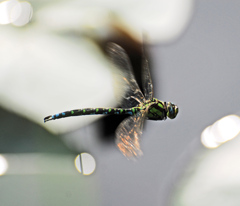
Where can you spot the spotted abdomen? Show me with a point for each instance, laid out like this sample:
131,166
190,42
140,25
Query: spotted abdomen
93,111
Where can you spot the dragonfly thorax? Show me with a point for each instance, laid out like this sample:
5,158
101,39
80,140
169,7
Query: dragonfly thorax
159,110
156,110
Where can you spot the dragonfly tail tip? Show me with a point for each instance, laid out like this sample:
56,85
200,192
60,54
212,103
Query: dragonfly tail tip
48,118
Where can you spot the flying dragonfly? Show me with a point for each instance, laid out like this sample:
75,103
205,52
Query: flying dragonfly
135,103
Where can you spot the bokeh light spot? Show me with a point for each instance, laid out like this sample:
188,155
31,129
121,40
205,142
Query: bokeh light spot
3,165
85,163
228,127
221,131
208,140
15,12
25,12
5,10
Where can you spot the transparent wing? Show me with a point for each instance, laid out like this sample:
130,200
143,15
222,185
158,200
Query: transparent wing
146,79
132,95
128,133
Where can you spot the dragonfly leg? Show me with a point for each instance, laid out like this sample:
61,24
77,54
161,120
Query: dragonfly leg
136,99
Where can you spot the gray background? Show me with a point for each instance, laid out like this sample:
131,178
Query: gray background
199,72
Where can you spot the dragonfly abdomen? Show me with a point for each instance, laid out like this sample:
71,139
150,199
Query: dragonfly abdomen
93,111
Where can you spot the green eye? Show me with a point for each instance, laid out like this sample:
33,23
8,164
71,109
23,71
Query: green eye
172,110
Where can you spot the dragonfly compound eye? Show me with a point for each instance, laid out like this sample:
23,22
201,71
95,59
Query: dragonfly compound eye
172,110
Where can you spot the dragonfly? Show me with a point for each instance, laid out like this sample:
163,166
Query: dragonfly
138,105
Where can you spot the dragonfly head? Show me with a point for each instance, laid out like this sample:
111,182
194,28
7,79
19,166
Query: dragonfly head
172,110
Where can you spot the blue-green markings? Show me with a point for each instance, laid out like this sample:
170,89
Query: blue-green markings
145,105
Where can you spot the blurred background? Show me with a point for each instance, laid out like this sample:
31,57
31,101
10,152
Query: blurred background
52,59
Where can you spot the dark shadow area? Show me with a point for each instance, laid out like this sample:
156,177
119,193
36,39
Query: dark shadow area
19,135
134,50
108,126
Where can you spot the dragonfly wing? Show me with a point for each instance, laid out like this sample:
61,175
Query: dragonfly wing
119,58
128,133
146,79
